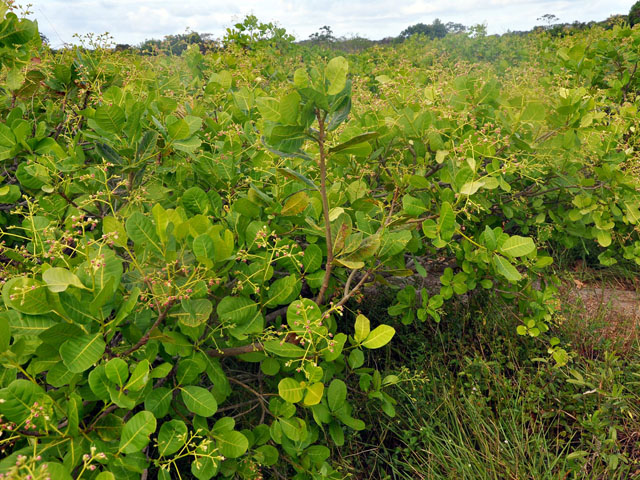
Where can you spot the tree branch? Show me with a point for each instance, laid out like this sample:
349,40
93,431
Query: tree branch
325,208
145,338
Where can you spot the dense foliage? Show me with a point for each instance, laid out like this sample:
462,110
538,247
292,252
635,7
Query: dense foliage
634,14
182,235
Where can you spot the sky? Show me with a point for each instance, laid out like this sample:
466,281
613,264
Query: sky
133,21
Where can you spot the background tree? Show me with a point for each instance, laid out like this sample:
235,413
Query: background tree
252,33
549,19
435,30
634,14
323,35
453,27
176,44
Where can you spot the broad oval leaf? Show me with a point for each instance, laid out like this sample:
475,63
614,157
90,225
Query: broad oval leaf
199,400
136,432
81,353
290,390
172,436
517,246
336,74
506,269
59,279
296,204
117,371
337,394
141,230
362,328
26,295
379,337
232,444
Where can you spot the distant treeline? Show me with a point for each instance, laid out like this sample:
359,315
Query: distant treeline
252,33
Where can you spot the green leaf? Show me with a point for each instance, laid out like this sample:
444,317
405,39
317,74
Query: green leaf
506,269
288,107
356,359
99,383
172,436
603,237
142,231
301,78
447,221
110,118
158,401
318,454
117,371
361,138
187,145
127,307
103,476
136,432
470,188
379,337
489,238
139,377
290,390
195,312
266,455
232,444
116,229
269,108
362,328
58,279
26,295
413,206
336,74
236,309
5,334
81,353
293,175
296,204
203,247
196,201
109,154
284,349
302,313
7,138
337,394
312,259
517,246
178,130
199,400
366,249
294,428
314,393
17,399
281,290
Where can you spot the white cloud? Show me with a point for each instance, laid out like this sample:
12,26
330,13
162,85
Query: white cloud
133,22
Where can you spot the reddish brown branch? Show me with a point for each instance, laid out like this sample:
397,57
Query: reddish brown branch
145,338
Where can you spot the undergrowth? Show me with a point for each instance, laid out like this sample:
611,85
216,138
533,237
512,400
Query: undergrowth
474,403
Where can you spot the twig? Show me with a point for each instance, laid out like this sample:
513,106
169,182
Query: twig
235,351
276,313
348,294
145,337
103,414
259,396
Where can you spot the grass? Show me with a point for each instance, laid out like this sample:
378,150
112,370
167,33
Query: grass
477,402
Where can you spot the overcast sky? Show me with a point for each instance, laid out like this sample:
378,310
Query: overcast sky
133,21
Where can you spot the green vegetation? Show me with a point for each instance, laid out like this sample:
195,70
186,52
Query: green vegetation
191,246
478,403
